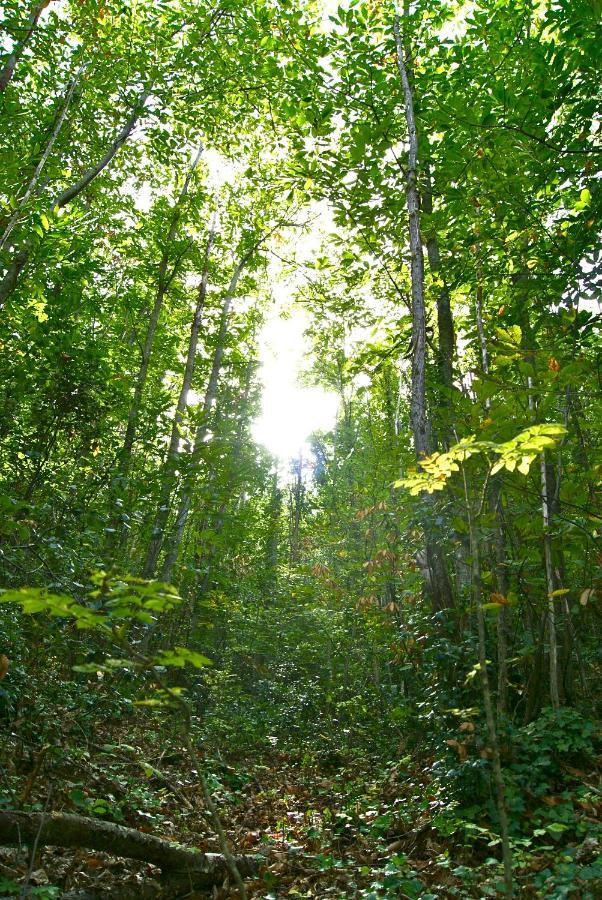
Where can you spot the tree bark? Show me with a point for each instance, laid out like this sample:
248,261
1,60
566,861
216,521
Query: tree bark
445,321
440,586
502,622
550,580
116,532
418,412
173,452
481,327
63,830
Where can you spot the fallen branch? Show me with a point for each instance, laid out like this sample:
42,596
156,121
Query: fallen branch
175,861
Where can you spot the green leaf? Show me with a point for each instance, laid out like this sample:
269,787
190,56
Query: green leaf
181,656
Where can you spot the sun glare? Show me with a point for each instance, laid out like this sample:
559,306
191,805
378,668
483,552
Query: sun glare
290,411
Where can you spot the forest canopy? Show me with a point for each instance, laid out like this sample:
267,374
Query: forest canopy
370,668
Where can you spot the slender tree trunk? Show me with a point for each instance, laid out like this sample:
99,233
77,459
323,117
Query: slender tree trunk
550,584
546,505
500,550
498,774
502,622
168,473
11,276
272,541
21,257
481,326
295,513
163,282
8,69
203,427
90,174
221,518
42,162
440,587
445,321
418,411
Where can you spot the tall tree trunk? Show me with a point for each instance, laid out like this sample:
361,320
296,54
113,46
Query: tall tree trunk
481,326
418,411
173,452
498,775
8,69
21,257
272,540
502,621
495,504
296,494
439,587
445,321
203,427
550,584
550,580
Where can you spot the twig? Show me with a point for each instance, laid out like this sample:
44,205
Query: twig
34,849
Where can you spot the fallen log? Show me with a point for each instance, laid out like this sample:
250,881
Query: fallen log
175,861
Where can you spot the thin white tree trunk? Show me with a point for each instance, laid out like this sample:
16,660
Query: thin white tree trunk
173,452
550,584
203,427
549,569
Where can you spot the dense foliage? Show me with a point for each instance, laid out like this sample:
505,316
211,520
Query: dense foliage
381,667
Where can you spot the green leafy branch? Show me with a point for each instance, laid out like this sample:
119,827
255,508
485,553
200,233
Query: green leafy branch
115,603
516,454
114,600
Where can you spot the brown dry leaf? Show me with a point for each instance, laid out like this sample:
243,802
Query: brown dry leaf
4,663
39,877
584,599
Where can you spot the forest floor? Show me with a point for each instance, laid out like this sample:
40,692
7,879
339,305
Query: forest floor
329,825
